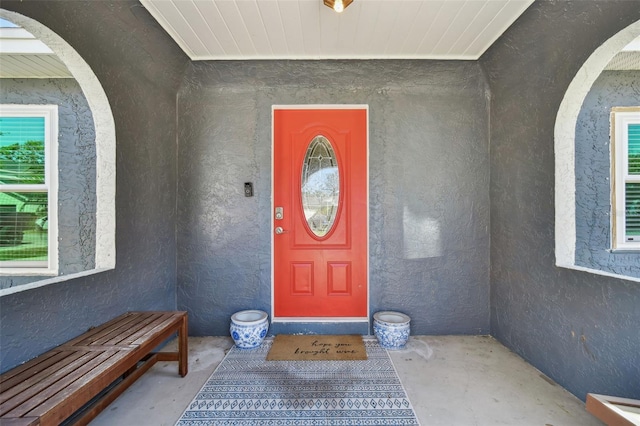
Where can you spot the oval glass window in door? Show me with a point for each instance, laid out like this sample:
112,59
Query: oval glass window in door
320,186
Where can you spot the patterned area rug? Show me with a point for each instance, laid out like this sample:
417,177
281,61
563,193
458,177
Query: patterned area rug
246,389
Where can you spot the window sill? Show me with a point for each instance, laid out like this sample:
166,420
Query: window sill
58,279
598,272
624,251
28,272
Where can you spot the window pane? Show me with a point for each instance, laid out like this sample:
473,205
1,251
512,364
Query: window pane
632,209
634,149
320,186
23,226
22,150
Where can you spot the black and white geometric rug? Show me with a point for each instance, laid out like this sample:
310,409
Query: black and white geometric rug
245,389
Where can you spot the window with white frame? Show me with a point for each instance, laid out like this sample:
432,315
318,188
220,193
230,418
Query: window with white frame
28,189
625,168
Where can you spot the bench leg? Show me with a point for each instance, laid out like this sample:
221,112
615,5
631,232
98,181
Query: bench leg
183,348
182,355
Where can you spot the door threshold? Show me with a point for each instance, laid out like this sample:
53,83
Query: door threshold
323,325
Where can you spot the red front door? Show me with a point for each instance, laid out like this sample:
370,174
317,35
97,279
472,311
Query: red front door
320,212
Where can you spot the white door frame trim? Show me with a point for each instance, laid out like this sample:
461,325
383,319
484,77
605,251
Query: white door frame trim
272,218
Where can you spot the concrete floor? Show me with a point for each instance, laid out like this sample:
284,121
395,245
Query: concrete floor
450,380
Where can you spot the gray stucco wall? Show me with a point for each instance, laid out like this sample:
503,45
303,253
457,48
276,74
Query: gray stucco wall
77,166
429,180
429,159
579,329
139,67
593,171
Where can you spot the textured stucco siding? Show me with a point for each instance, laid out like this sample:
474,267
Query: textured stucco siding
580,329
429,180
139,67
461,235
76,165
593,172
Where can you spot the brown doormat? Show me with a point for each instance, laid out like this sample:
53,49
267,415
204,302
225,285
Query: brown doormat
315,347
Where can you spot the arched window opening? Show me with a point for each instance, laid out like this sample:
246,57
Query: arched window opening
104,146
565,151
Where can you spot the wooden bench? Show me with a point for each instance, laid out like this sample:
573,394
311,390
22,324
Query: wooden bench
81,377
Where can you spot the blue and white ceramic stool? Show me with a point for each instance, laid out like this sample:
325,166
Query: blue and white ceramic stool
391,329
249,328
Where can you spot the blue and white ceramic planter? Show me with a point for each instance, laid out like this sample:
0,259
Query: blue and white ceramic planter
249,328
391,329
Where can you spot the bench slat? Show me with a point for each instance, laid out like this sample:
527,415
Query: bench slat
22,421
90,334
66,401
156,326
93,348
144,328
51,372
29,369
32,390
120,335
102,334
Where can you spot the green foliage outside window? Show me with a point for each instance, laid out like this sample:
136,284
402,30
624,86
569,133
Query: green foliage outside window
22,163
23,210
634,164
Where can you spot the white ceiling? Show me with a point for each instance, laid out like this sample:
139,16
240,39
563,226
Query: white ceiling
627,59
24,56
307,29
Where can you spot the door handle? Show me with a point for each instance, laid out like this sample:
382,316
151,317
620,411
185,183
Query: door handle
279,230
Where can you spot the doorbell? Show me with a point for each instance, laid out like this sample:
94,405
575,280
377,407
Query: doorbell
248,189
